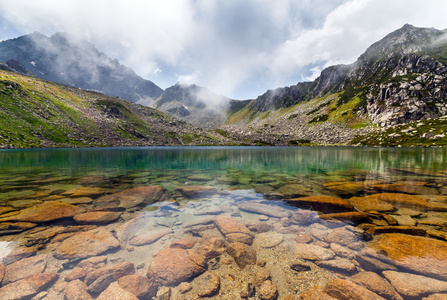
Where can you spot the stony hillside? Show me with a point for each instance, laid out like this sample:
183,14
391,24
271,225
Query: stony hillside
194,104
65,59
401,79
37,113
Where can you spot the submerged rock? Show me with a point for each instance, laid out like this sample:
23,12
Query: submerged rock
197,191
24,268
45,212
420,254
326,204
86,244
115,291
414,286
149,238
233,230
344,289
242,254
97,217
133,197
313,252
373,282
208,284
264,209
28,287
172,266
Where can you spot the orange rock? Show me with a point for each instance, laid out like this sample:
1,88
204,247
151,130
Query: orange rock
45,212
25,268
315,293
97,217
242,254
85,244
201,191
211,248
149,238
351,216
419,254
172,266
345,188
117,271
85,192
28,287
114,291
233,230
405,200
373,282
347,290
326,204
138,285
185,243
409,187
133,197
75,290
371,204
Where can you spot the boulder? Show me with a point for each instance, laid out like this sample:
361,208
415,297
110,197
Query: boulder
86,244
347,290
76,273
419,254
85,192
25,268
185,243
115,291
302,217
172,266
28,287
261,276
338,264
211,248
326,204
133,197
414,286
242,254
373,282
408,187
407,201
371,204
264,209
313,252
269,239
197,191
268,291
117,271
345,188
351,217
138,285
207,284
45,212
100,284
97,217
149,238
233,230
76,290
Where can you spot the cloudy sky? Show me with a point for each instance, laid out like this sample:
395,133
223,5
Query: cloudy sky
238,48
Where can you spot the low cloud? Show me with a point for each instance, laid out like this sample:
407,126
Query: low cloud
236,48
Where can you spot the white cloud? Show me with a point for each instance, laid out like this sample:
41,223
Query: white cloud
236,48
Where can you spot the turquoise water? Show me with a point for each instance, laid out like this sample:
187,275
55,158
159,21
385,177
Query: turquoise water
198,184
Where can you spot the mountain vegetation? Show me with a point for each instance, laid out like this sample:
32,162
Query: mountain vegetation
38,113
395,94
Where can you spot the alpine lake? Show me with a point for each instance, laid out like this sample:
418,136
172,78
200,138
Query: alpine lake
223,223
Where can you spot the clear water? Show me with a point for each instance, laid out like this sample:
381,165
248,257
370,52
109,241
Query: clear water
240,175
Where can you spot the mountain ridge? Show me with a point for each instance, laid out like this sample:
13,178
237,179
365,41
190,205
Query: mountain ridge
65,59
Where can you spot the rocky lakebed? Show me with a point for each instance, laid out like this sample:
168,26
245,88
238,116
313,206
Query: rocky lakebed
235,234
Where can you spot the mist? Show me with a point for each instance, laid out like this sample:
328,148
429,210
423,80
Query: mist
238,49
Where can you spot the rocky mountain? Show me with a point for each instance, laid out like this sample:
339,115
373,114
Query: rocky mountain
398,80
194,104
38,113
64,59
